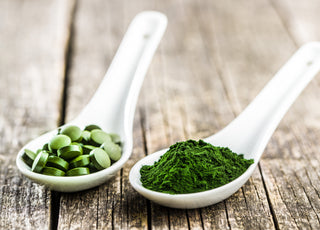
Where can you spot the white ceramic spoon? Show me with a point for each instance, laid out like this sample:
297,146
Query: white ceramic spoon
249,133
112,106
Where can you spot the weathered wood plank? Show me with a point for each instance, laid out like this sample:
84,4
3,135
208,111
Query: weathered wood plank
134,208
215,216
252,196
32,45
233,71
236,45
177,114
95,42
297,143
93,46
290,193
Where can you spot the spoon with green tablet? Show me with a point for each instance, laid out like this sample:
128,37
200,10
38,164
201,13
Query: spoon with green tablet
56,159
248,134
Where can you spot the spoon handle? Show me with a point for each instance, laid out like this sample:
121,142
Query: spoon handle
114,102
250,132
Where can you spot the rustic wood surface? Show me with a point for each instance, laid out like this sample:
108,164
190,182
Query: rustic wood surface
214,58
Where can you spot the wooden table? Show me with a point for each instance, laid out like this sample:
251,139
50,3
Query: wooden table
213,60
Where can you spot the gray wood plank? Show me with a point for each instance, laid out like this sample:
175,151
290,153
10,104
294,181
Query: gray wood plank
249,207
241,74
296,148
90,55
32,62
98,30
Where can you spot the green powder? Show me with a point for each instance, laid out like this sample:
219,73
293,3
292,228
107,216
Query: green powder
193,166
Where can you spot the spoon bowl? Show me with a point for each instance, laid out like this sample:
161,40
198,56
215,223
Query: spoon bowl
113,105
248,134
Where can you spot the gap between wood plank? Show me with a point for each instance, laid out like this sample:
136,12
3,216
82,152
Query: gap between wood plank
145,148
67,62
273,214
67,54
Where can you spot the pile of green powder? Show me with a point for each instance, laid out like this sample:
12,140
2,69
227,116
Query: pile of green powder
193,166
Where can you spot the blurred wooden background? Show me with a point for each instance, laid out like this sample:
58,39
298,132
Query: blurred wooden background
213,60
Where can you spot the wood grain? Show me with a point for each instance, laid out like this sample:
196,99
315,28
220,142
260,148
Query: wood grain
32,46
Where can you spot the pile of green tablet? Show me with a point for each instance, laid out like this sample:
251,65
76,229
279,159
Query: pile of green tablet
75,152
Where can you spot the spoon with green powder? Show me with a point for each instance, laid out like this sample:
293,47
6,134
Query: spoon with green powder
248,134
111,108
